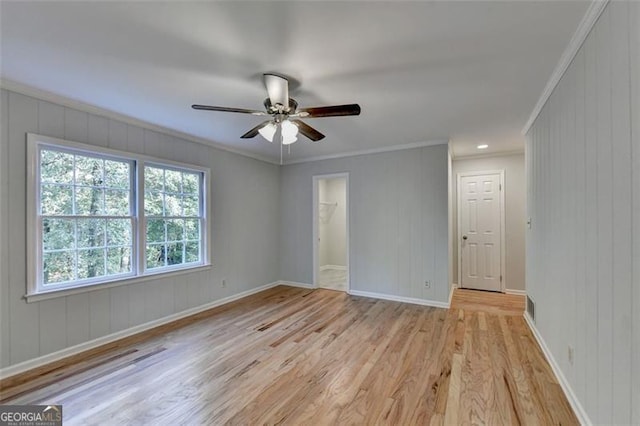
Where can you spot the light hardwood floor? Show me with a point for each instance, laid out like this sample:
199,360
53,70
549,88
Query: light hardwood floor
296,356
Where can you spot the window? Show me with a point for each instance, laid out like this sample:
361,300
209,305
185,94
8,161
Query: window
101,216
173,216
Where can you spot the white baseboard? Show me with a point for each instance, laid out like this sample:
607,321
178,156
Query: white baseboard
412,300
583,418
295,284
91,344
516,292
453,287
336,267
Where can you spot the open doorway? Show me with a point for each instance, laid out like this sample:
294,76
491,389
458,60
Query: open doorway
331,231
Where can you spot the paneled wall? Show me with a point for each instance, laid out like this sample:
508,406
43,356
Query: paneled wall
583,251
245,203
398,221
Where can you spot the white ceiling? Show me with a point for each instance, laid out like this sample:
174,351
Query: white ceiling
470,72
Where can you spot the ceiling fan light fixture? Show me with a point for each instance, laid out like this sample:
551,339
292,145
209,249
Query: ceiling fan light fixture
268,131
289,132
288,140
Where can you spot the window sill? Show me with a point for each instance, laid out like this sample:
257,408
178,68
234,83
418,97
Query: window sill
52,294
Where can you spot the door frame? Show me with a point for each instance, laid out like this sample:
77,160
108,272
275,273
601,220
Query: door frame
503,268
316,227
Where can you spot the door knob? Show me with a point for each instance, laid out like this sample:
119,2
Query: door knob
464,237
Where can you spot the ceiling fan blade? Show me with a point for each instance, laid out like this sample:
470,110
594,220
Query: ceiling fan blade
330,111
254,132
277,88
226,109
308,131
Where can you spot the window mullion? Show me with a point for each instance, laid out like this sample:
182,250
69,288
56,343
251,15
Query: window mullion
141,221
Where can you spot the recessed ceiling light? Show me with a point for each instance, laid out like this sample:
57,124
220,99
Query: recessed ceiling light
483,146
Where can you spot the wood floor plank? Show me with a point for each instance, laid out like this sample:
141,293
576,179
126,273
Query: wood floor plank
298,356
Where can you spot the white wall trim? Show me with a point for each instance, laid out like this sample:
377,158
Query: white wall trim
488,155
516,292
453,288
579,36
45,95
336,267
412,300
369,151
91,344
295,284
583,418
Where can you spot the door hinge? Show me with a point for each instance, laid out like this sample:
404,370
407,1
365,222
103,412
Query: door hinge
500,186
500,278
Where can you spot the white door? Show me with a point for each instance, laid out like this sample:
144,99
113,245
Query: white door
479,210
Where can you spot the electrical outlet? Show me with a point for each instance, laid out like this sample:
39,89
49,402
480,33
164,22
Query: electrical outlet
224,283
570,354
427,284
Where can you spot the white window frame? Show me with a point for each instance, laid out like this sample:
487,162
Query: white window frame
35,288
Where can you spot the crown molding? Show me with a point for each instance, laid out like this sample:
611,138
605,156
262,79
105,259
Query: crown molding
369,151
45,95
579,36
488,155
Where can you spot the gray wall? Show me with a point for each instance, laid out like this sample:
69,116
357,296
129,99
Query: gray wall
245,203
515,217
398,221
583,251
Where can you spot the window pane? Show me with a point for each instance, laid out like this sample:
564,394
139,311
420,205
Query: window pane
175,230
90,263
89,171
117,174
57,234
191,206
118,232
89,201
172,181
192,252
153,179
90,233
192,229
174,253
58,267
172,205
117,202
118,260
155,255
56,200
153,203
56,167
155,231
190,183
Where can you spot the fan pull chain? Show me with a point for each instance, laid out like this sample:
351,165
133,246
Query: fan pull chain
281,151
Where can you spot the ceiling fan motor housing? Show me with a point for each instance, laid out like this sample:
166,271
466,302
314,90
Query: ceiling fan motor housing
281,109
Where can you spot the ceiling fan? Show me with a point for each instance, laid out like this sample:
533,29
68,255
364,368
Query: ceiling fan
285,123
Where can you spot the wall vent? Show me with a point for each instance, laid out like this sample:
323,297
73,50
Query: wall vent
531,308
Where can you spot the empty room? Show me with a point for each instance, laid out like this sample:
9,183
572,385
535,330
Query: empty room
312,212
